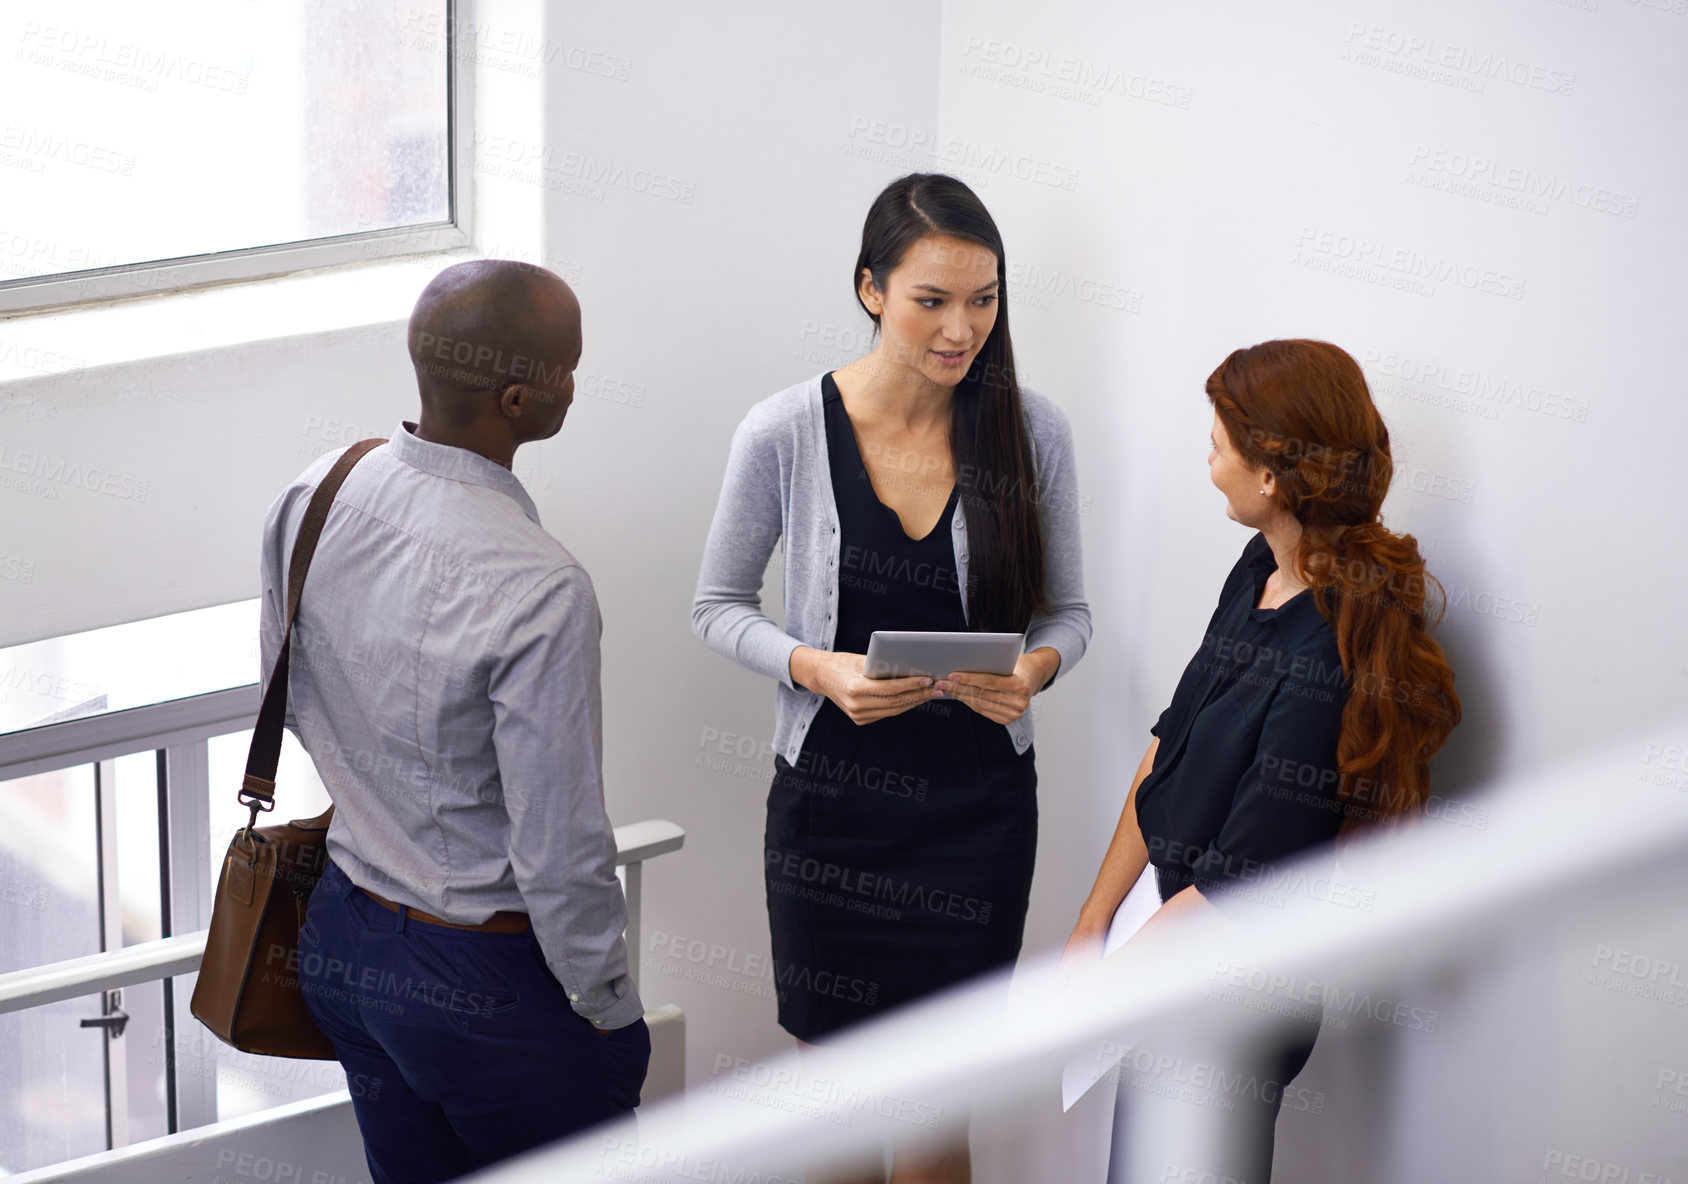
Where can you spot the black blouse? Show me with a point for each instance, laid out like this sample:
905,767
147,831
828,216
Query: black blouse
1246,775
886,579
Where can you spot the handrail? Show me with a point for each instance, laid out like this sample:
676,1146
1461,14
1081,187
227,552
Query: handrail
50,747
75,977
638,841
147,961
178,730
315,1126
1430,896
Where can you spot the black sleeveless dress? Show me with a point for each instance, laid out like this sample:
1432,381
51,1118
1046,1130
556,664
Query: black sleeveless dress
898,854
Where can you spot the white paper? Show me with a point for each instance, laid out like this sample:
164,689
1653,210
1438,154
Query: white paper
1086,1069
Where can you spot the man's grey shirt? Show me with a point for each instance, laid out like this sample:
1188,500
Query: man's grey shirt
445,682
779,485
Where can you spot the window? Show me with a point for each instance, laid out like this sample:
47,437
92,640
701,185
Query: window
101,852
145,147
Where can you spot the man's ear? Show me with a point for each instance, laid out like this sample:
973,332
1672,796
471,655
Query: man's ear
513,399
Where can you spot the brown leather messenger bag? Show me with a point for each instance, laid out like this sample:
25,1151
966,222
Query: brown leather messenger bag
248,989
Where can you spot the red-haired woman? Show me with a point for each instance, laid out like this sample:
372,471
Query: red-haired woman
1316,698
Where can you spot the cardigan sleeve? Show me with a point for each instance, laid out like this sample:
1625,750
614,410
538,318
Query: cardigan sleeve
1066,624
727,606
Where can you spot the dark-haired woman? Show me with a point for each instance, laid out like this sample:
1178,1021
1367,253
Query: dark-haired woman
920,487
1314,702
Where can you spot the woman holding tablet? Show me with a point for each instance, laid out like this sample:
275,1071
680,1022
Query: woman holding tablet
917,488
1317,696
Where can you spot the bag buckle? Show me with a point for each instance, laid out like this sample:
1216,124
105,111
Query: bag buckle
257,794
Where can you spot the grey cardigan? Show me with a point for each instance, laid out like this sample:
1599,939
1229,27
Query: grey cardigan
779,482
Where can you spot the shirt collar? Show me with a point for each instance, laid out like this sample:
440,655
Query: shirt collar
1298,616
459,464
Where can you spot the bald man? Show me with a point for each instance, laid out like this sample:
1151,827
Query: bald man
463,949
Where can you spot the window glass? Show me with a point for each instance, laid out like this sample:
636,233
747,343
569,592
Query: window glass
132,133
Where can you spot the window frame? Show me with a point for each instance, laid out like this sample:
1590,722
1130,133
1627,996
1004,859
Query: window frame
30,293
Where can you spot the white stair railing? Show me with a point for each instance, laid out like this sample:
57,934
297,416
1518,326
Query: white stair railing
179,731
1587,835
150,961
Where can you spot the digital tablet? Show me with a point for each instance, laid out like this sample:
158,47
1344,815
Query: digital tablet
899,653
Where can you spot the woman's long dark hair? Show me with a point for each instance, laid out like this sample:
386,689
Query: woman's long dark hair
988,439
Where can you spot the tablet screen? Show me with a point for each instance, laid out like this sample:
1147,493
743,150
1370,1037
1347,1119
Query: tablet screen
893,653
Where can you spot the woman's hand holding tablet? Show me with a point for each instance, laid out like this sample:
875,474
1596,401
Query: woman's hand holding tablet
838,675
986,671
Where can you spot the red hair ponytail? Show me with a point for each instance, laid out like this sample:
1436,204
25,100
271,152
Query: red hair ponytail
1301,409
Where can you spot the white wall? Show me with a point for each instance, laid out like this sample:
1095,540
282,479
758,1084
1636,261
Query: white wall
696,299
700,306
1207,198
1230,159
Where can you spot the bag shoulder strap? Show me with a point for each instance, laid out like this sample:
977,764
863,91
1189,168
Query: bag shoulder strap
257,791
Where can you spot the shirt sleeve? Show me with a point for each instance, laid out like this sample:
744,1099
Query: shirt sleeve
281,526
1065,626
548,736
1286,801
727,607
